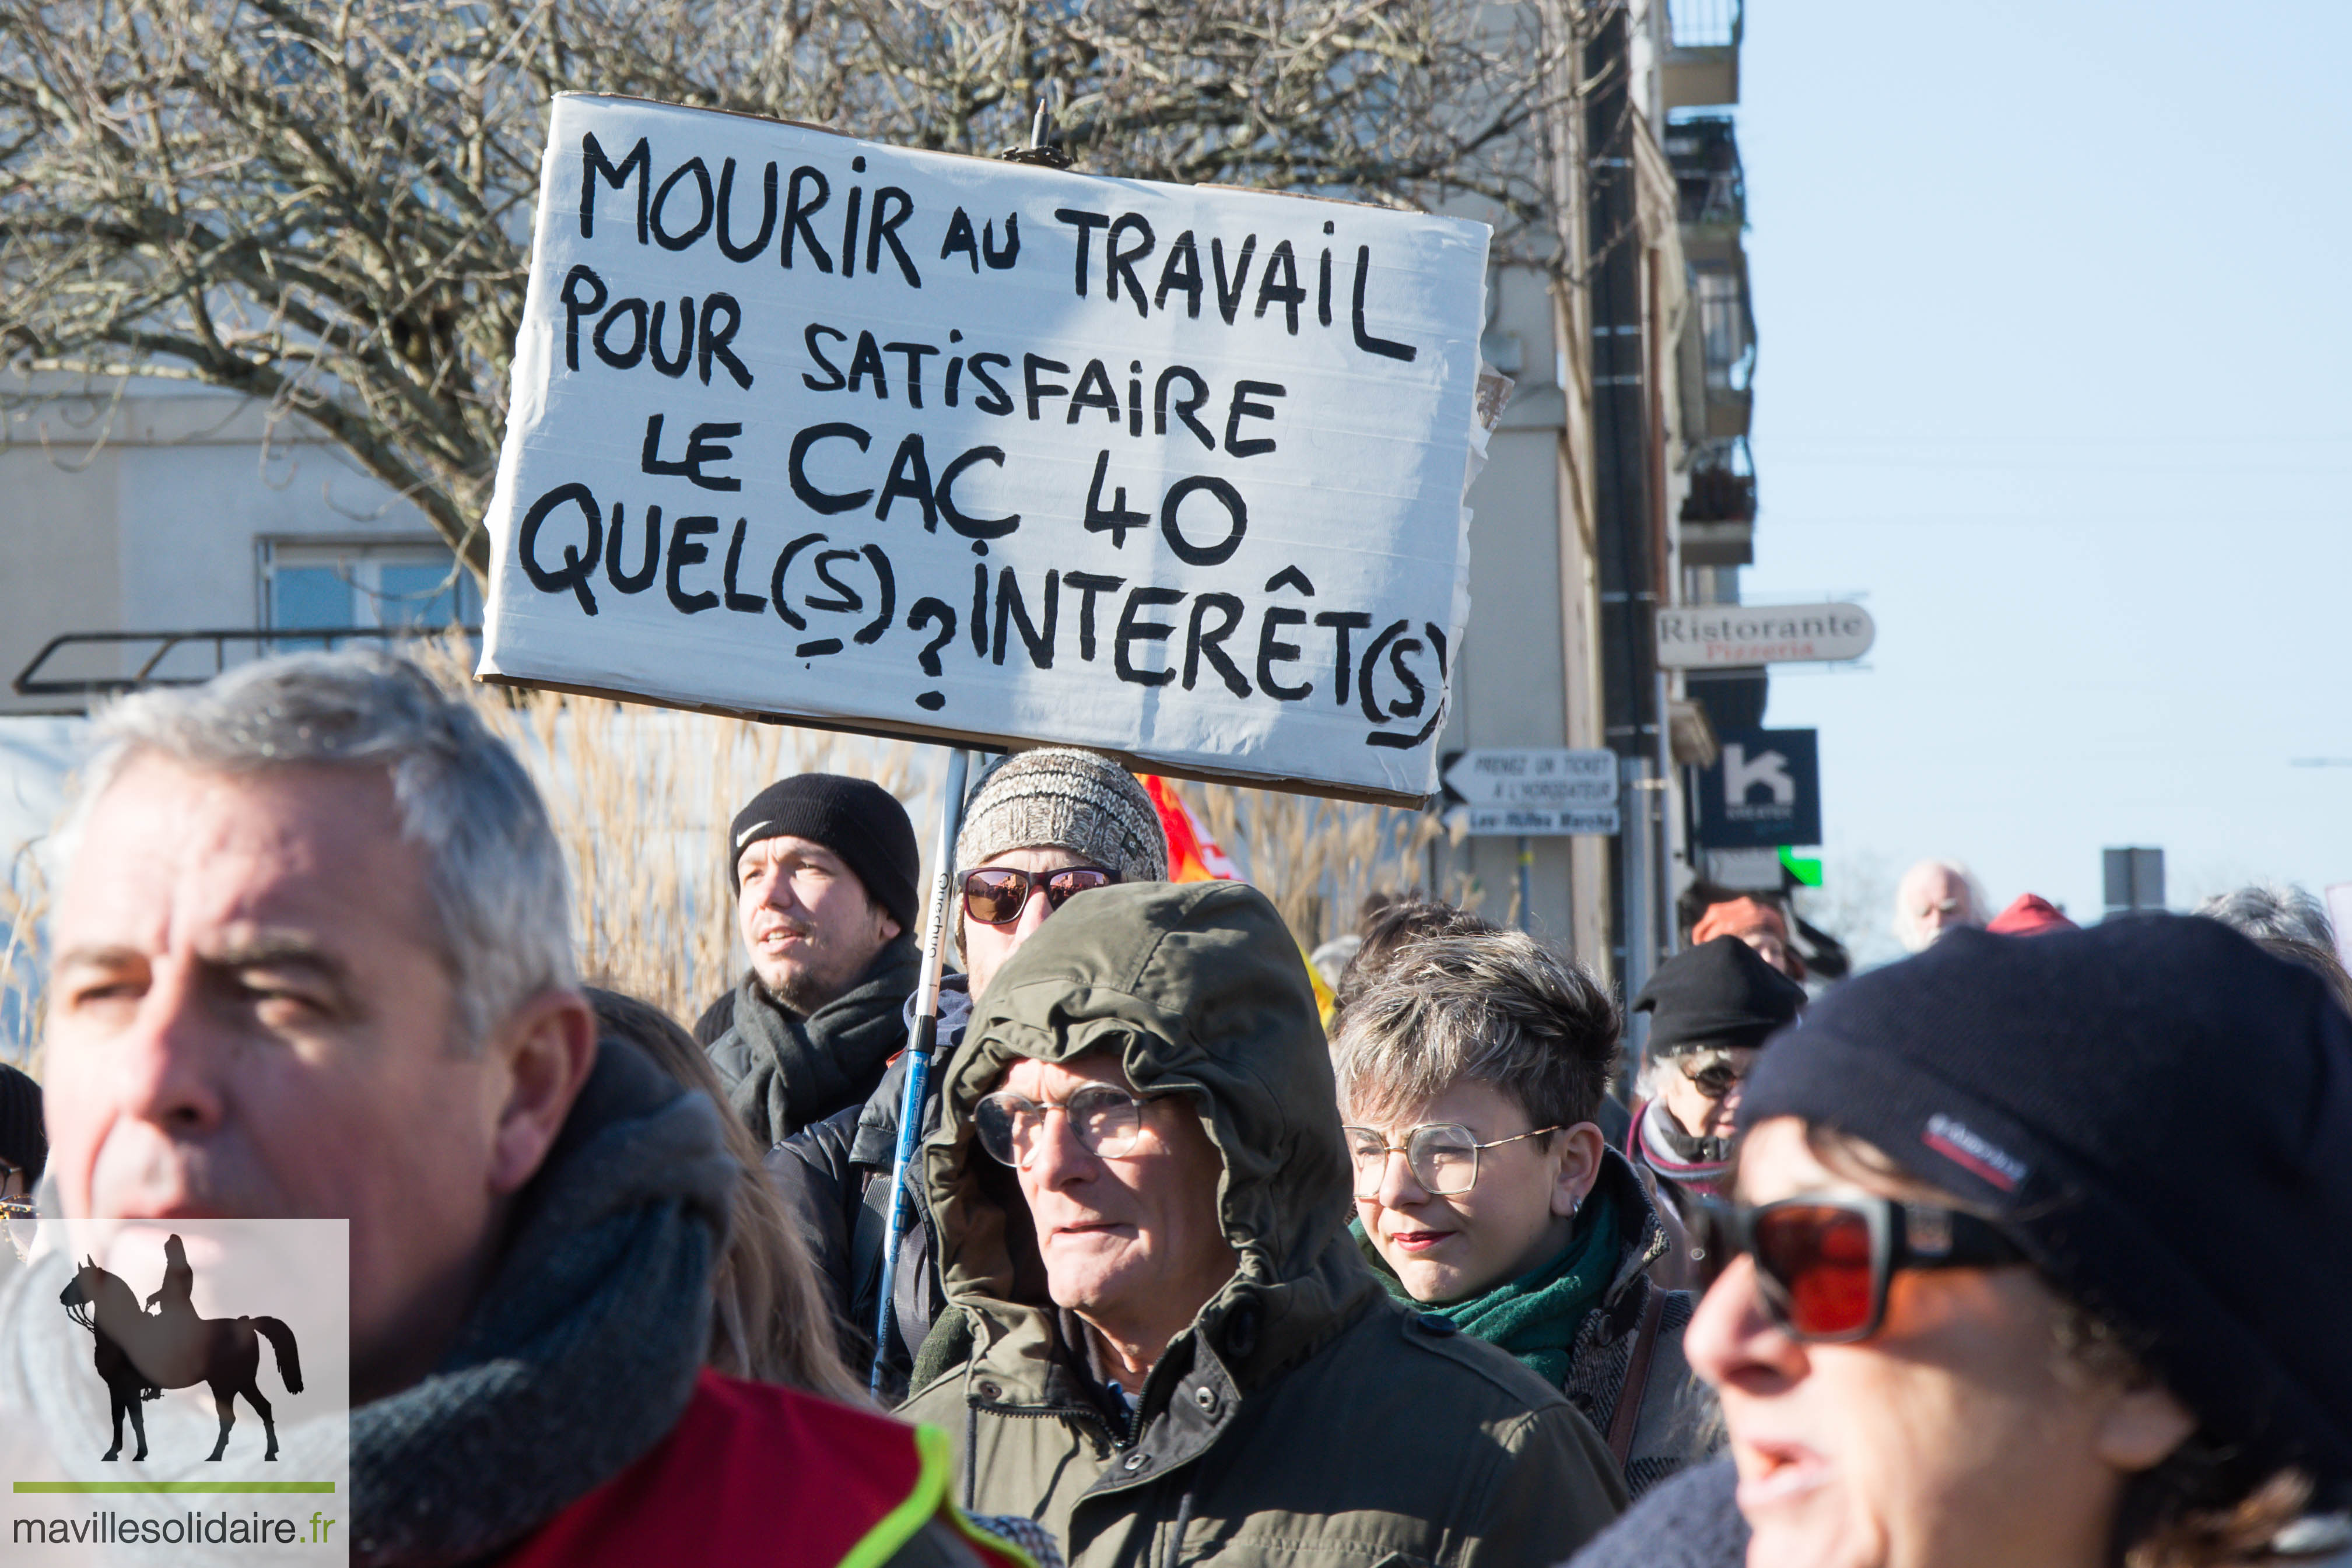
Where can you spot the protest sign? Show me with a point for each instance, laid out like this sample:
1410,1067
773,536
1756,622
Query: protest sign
922,444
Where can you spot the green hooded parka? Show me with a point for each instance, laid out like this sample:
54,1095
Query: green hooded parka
1303,1418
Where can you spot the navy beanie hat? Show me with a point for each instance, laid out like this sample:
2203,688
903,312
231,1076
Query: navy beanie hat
857,819
2159,1111
24,1141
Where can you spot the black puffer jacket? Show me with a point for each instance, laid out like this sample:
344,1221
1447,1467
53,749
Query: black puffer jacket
835,1178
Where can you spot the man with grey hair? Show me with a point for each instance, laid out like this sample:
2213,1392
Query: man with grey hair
1040,827
312,962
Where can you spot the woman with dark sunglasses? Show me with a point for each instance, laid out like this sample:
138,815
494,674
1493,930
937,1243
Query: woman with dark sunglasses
2036,1256
1041,827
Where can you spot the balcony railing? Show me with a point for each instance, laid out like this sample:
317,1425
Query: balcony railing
1710,184
1722,485
1705,24
183,658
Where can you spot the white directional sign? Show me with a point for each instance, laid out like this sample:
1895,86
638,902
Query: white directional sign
1538,791
1719,636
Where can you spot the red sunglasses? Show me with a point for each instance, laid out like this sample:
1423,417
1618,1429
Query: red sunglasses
1822,1263
996,895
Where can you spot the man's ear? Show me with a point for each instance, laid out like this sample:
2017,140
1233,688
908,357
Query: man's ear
2142,1429
541,1058
1579,1149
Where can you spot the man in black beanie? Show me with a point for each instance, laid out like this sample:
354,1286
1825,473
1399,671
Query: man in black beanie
824,870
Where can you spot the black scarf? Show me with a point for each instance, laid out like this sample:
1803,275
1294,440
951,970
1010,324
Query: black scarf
803,1069
585,1348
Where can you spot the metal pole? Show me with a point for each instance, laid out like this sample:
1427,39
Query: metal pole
920,1039
1526,865
1665,921
1634,837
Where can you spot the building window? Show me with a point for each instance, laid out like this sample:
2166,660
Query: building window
1727,341
336,585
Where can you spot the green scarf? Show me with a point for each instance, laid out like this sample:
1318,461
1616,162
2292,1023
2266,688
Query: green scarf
1534,1317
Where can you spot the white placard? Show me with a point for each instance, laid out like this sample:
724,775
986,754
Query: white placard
970,449
1731,636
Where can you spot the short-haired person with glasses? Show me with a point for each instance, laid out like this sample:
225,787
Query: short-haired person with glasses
1160,1338
1469,1073
1711,1007
2034,1256
1040,827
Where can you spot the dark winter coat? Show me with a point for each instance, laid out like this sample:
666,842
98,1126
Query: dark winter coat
782,1072
835,1178
1302,1419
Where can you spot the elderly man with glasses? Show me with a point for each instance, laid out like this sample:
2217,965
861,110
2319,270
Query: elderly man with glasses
1160,1339
1041,827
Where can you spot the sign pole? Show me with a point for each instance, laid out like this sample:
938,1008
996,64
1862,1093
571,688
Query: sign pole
1526,860
920,1039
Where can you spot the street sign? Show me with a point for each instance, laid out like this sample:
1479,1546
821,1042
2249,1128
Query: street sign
1541,822
1728,636
1764,790
1538,791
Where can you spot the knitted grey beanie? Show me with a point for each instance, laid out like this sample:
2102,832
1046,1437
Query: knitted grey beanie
1064,798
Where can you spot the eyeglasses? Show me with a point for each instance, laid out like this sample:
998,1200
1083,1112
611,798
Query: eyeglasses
1441,1156
18,1209
996,895
1822,1263
1106,1120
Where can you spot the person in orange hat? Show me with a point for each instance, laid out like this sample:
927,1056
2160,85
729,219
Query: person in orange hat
1759,924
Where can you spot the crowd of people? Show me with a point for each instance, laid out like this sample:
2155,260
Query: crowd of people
2022,1250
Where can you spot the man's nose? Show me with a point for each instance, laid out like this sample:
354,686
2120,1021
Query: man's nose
1056,1157
166,1064
1034,911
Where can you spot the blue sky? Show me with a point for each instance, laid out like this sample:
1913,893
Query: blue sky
2057,370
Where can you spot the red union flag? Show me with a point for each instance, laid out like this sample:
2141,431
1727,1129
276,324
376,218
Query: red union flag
1192,854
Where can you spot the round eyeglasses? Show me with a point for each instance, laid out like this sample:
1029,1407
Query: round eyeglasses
1441,1156
996,895
1106,1120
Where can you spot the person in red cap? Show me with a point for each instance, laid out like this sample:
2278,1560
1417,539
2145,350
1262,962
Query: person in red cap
2030,915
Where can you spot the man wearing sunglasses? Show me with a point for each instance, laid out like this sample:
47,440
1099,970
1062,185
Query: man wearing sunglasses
1711,1008
1161,1339
1043,827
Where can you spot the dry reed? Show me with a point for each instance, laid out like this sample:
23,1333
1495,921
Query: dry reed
641,798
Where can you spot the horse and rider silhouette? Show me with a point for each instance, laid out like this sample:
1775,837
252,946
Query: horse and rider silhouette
140,1353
